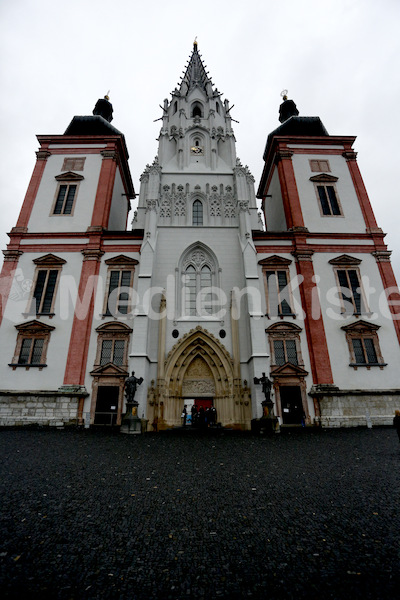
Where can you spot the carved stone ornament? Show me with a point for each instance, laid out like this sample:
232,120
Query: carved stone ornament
283,154
43,154
151,205
109,154
196,387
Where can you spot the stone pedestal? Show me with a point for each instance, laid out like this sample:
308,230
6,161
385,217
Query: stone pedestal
130,421
269,423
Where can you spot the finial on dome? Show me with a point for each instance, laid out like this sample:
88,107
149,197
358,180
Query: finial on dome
107,96
284,94
195,43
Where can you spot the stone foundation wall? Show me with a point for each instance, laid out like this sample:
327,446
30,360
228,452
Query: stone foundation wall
38,408
352,408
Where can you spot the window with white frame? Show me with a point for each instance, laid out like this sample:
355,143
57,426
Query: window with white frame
328,199
66,193
348,280
31,347
363,342
45,282
119,285
284,341
277,286
113,344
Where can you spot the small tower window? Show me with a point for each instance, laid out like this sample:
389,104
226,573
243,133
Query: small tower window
197,110
175,106
217,105
197,213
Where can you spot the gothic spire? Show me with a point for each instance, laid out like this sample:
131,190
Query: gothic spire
195,74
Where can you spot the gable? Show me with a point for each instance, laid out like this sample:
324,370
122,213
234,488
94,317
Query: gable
50,260
345,260
288,370
361,327
109,370
283,326
69,176
324,178
114,327
121,260
275,261
33,327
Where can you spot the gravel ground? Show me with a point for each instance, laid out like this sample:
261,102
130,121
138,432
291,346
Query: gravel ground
178,515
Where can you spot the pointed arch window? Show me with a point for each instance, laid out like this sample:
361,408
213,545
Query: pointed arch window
199,278
197,110
197,215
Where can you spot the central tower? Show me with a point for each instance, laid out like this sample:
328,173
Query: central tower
197,208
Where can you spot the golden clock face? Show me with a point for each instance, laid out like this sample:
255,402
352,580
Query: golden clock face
196,150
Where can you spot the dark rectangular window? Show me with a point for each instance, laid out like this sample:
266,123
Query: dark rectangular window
364,351
350,289
279,350
65,199
112,351
118,279
279,301
31,351
285,352
43,294
328,200
291,352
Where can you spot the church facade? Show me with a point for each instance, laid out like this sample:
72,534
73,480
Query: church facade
201,295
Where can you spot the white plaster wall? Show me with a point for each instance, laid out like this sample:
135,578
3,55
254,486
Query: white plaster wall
274,213
352,221
98,318
50,377
171,244
346,377
119,206
42,220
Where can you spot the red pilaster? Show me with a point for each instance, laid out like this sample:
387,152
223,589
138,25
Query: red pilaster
290,194
30,197
313,323
80,335
362,195
105,187
389,283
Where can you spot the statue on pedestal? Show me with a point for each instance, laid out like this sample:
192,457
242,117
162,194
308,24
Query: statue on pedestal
131,384
131,422
267,404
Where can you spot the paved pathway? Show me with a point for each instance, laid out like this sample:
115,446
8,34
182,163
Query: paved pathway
90,515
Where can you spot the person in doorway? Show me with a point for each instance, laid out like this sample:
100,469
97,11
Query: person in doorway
184,415
202,418
396,422
194,414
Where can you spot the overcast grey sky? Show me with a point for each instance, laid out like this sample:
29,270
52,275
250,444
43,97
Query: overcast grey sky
339,60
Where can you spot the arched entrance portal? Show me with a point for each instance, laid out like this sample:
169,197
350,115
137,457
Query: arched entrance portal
199,366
